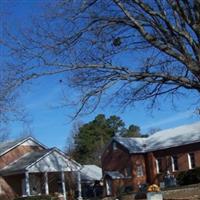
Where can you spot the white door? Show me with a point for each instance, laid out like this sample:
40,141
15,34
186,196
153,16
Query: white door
109,187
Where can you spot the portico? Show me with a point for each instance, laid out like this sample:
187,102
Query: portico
45,172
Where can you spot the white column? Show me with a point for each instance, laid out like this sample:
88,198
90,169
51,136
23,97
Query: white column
46,183
79,185
27,184
63,185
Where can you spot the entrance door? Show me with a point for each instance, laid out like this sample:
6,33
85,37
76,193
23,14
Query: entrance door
108,187
35,184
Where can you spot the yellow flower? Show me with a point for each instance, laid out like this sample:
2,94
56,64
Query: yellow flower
153,188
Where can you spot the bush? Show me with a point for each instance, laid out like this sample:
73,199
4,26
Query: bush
189,177
42,197
120,192
128,189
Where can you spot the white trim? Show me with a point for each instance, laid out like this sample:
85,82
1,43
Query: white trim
190,160
139,171
49,152
173,163
46,154
63,185
108,187
67,157
79,186
27,184
157,167
46,183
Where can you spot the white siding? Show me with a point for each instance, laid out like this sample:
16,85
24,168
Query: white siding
52,163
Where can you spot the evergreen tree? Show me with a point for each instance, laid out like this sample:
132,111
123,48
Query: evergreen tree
90,138
132,131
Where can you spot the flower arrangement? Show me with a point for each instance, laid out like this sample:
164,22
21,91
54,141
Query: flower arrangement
153,188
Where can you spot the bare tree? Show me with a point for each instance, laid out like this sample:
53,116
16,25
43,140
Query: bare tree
9,95
10,107
89,42
70,145
4,134
153,130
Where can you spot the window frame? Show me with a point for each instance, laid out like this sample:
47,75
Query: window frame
114,146
128,171
174,163
139,171
191,160
159,168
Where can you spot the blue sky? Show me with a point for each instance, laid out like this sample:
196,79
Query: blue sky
52,126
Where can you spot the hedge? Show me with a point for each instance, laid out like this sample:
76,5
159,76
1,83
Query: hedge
189,177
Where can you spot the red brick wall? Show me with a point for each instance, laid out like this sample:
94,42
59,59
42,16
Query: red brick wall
15,182
16,153
8,187
136,161
115,159
150,163
118,160
181,153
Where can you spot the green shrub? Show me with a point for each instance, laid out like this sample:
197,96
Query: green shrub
120,192
42,197
189,177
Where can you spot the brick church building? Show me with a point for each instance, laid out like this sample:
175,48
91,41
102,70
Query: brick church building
131,162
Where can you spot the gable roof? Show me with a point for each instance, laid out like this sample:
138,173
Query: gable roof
31,161
9,145
23,162
134,145
91,173
182,135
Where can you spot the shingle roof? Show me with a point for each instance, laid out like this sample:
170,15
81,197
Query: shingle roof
4,146
134,145
164,139
181,135
8,145
91,172
23,162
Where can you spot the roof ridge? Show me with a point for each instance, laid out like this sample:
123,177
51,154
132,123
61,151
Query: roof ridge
177,127
172,137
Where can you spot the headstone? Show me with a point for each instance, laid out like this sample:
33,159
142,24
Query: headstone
154,196
162,185
170,180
